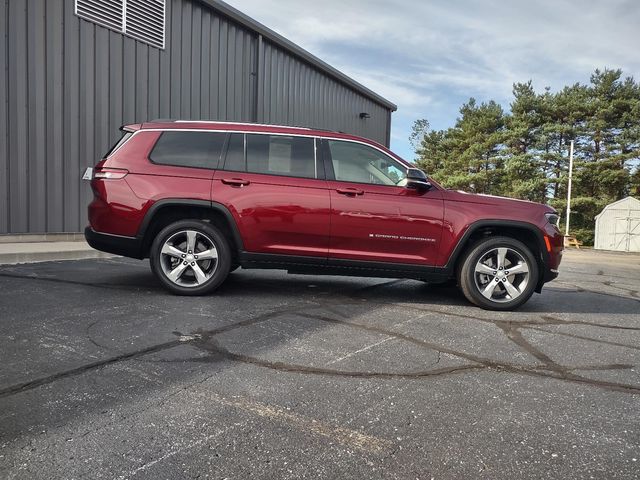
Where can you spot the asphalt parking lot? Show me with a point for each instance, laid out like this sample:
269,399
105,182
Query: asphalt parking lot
104,375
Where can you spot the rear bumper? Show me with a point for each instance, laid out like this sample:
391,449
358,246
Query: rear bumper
116,244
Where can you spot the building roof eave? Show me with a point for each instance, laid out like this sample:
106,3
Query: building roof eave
238,17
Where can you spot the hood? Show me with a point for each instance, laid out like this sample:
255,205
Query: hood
480,198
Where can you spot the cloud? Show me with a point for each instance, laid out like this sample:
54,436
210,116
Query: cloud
402,90
430,56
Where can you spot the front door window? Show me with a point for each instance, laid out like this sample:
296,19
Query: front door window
353,162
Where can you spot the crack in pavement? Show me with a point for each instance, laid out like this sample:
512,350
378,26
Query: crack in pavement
550,368
71,282
30,385
633,294
588,339
205,341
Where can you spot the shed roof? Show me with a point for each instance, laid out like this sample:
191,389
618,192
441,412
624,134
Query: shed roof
277,39
621,202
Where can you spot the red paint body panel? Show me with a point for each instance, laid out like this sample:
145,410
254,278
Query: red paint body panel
115,209
463,209
385,223
306,217
275,214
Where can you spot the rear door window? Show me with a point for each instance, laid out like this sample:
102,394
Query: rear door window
189,149
282,155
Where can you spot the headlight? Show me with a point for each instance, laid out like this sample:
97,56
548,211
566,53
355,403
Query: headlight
553,218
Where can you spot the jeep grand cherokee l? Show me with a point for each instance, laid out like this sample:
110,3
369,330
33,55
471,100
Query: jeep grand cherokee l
200,199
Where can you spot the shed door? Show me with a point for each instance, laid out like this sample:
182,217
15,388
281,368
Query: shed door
627,234
634,234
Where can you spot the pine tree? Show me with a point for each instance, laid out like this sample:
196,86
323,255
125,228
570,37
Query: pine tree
524,154
466,156
525,163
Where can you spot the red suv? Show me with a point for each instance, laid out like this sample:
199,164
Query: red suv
200,199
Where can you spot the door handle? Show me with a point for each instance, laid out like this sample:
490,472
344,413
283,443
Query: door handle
235,182
350,191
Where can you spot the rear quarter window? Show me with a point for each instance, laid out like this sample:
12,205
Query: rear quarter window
125,136
188,149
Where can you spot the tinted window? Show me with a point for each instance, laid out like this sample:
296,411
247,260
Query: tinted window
281,155
235,153
189,149
354,162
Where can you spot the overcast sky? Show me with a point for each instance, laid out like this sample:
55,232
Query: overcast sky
430,56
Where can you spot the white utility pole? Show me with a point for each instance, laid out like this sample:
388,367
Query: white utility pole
569,189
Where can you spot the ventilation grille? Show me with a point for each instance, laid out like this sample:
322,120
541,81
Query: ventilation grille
143,20
103,12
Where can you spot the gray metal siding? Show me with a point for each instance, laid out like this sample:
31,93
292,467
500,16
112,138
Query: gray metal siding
4,111
67,85
295,93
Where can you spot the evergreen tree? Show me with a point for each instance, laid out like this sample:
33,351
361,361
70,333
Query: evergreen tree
525,153
525,163
466,156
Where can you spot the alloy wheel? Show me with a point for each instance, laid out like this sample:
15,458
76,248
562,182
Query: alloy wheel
501,274
189,258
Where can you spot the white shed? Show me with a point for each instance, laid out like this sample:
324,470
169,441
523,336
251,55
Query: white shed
618,226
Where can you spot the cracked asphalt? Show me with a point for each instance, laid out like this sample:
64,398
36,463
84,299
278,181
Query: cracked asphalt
105,375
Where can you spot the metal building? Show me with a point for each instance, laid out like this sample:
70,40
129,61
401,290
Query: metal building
618,226
76,70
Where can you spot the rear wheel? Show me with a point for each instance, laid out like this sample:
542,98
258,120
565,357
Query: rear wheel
499,273
190,257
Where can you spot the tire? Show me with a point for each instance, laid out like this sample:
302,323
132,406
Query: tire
487,285
190,257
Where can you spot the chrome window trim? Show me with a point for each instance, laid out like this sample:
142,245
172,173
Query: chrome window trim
403,162
321,137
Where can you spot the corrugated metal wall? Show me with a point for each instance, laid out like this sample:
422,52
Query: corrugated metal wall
292,92
68,85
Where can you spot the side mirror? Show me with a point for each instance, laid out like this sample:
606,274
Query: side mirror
417,180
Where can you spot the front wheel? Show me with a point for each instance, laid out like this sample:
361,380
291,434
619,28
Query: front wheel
190,257
498,273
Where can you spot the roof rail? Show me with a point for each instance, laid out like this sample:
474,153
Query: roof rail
229,122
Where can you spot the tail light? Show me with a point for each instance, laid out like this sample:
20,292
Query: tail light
109,173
